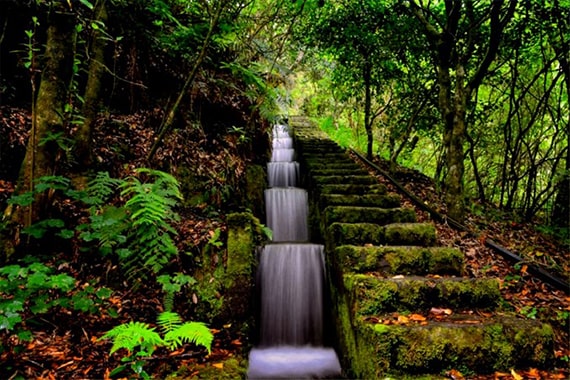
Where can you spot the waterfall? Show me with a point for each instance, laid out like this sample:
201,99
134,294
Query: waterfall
291,280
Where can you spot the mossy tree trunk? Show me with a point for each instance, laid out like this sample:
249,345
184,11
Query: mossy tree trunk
83,137
461,66
48,118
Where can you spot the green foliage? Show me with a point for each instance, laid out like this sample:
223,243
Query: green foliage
151,210
141,340
171,285
138,232
36,289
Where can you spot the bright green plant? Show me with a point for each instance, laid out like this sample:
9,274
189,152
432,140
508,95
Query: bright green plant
35,289
171,285
150,206
141,340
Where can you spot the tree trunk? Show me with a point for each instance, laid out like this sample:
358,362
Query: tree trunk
48,115
83,137
368,110
561,209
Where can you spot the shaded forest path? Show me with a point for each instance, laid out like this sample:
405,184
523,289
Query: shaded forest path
400,302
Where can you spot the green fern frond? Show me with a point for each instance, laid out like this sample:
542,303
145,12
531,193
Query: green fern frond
190,332
168,321
133,334
100,188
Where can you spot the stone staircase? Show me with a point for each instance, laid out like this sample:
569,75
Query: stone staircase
400,304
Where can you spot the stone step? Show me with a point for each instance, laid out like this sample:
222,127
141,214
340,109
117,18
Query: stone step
400,260
479,345
336,171
369,295
347,179
325,164
404,234
351,189
361,214
371,200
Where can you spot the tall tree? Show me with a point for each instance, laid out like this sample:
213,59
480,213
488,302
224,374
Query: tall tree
464,37
48,119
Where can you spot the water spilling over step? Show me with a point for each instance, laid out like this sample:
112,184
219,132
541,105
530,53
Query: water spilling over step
291,280
283,174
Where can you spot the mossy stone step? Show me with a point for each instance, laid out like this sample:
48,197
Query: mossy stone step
361,214
492,345
371,296
351,189
400,260
371,200
346,179
327,171
404,234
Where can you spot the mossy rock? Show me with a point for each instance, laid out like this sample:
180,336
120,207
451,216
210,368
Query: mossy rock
485,347
255,184
354,234
360,214
370,200
351,189
349,179
420,234
405,260
372,295
238,278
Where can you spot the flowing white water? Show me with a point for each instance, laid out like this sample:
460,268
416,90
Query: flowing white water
287,155
291,281
286,212
282,174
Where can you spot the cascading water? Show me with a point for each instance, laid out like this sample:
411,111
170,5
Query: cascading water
291,278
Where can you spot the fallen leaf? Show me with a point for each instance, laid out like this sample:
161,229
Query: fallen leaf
403,319
417,317
516,376
218,365
455,374
440,311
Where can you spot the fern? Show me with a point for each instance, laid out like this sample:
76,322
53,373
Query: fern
140,340
168,321
190,332
101,188
134,335
151,207
177,333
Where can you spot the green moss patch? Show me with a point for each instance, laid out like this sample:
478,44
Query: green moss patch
373,296
354,234
341,188
401,260
483,348
359,214
369,200
349,179
421,234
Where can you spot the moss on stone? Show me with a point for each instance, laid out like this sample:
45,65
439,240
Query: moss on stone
354,233
238,278
255,184
438,347
360,214
373,295
340,188
421,234
328,171
349,179
369,200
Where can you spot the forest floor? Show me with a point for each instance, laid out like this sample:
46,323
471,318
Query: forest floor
66,344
